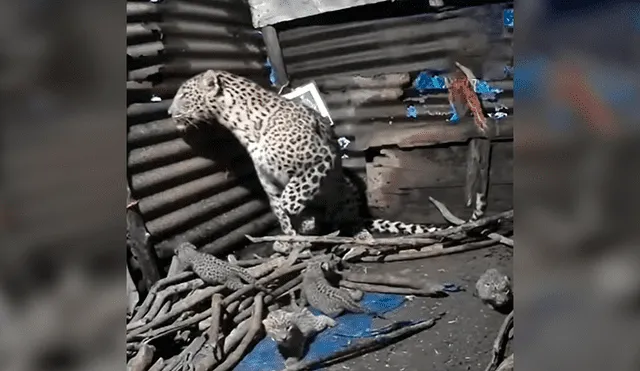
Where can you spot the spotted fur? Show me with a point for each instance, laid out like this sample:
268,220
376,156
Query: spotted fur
494,289
319,293
213,270
292,328
295,154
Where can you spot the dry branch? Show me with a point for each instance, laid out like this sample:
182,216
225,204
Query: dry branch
500,343
507,215
158,366
254,328
291,285
179,308
186,355
388,289
413,241
429,253
178,325
216,317
144,307
389,280
507,364
396,241
448,215
162,296
367,345
142,360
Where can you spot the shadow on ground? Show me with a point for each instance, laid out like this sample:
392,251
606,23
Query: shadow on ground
462,340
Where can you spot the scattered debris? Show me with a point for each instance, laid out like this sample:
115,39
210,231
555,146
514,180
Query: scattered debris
217,324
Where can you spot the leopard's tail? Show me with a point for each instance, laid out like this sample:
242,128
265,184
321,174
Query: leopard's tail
395,227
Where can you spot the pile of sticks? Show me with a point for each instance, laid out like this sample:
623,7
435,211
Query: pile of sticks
215,332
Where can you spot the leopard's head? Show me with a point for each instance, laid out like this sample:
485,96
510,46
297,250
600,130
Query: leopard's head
278,326
196,99
185,252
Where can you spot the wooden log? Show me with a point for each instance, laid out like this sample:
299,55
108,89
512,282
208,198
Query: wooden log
270,36
141,247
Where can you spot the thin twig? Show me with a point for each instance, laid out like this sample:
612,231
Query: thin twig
216,316
254,328
396,241
429,253
500,343
389,289
142,359
367,345
448,215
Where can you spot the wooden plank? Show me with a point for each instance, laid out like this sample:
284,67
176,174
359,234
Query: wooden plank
140,244
400,181
412,206
477,180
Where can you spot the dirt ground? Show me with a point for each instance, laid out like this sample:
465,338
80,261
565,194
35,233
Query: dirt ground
462,340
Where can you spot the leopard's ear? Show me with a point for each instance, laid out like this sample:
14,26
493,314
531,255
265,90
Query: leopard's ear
211,82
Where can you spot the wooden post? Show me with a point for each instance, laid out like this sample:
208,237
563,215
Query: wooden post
141,248
477,182
270,36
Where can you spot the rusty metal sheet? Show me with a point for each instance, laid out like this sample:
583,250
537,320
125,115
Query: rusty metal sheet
270,12
429,134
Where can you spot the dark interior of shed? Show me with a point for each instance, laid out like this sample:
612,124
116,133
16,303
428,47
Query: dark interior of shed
199,186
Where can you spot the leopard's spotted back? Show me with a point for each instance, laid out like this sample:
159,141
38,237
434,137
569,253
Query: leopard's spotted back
294,152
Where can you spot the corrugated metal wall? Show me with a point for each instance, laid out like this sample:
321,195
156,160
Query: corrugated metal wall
199,187
337,47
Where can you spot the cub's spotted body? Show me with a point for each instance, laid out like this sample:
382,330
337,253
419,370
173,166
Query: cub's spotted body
213,270
295,154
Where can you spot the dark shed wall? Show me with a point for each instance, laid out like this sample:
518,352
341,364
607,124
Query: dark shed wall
199,187
335,48
392,47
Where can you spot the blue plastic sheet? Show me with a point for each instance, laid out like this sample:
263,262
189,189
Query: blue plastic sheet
426,81
349,328
486,91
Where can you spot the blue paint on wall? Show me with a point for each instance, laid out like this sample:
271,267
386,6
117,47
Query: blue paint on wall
412,111
507,18
272,72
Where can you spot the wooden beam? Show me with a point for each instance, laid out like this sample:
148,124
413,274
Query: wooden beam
138,241
270,36
477,180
